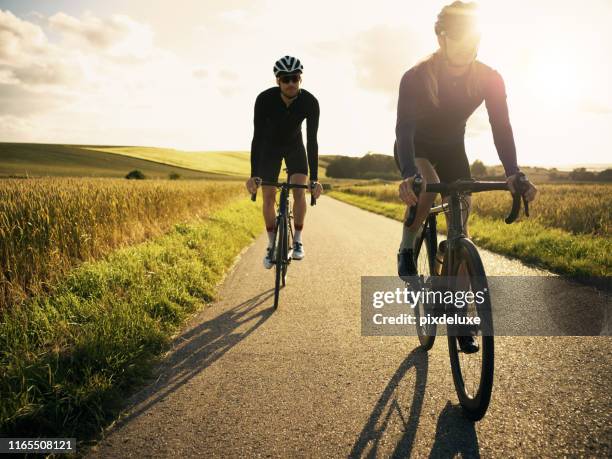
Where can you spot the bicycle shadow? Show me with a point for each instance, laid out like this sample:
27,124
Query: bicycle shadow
197,349
455,435
373,431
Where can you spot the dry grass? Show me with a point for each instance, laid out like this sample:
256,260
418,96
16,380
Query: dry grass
576,208
49,225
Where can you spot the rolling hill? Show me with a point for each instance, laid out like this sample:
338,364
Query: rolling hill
23,159
27,159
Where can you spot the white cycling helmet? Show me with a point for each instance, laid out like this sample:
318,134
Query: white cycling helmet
287,65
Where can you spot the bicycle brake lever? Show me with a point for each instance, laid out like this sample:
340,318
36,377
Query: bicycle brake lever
516,206
254,195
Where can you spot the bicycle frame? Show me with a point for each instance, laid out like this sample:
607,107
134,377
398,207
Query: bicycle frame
456,190
284,227
455,228
284,216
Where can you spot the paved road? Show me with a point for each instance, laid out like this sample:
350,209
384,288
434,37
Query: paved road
302,381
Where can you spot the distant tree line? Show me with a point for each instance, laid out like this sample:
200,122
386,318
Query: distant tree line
370,166
581,174
374,165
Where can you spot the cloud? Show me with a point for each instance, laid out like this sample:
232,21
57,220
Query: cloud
599,108
27,57
118,35
382,54
200,73
20,101
227,74
18,37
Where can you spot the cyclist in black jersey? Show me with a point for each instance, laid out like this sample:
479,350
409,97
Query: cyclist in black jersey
436,97
279,113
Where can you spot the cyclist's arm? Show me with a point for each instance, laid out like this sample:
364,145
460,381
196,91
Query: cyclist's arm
405,126
497,108
258,132
312,146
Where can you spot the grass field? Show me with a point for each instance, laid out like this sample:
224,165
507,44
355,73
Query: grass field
49,225
22,159
228,162
568,231
68,360
576,208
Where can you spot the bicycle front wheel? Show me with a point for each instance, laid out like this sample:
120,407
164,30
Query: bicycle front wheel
472,373
288,244
278,264
425,247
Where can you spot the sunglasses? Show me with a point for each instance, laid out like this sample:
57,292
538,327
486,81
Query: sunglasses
462,35
290,79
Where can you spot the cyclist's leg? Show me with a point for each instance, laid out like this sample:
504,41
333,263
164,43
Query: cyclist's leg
297,169
269,169
425,199
451,164
299,199
406,264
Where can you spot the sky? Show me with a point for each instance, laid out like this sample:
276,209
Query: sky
185,74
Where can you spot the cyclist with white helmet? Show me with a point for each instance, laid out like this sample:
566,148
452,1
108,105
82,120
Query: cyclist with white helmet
436,97
279,113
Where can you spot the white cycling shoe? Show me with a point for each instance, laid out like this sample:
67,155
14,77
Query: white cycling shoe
298,251
268,259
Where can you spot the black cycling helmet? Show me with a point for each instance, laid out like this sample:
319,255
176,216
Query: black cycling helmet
456,19
287,65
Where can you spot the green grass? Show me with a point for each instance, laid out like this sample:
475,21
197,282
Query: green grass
576,255
69,359
21,159
227,162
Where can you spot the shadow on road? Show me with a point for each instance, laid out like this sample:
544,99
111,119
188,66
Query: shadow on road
197,348
455,435
374,430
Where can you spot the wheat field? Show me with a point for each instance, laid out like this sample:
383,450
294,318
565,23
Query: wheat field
49,225
576,208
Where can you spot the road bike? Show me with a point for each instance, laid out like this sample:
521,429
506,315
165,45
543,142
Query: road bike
455,266
283,233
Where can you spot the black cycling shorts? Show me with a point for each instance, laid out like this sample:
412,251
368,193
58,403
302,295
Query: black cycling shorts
271,161
449,161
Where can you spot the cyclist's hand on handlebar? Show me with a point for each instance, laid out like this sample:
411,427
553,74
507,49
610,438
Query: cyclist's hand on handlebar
316,189
406,192
252,184
530,193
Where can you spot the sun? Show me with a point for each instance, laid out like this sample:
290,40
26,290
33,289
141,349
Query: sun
554,75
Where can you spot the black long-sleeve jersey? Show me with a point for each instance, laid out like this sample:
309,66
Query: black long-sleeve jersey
419,120
279,127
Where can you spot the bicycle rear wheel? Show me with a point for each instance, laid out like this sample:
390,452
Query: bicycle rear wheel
472,373
278,264
425,249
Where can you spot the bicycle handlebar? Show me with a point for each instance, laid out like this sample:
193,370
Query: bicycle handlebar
475,187
288,186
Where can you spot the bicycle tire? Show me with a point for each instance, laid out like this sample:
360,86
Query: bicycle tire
286,258
425,249
474,398
278,265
